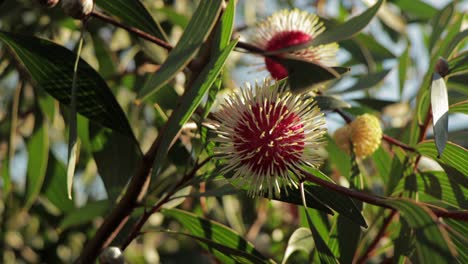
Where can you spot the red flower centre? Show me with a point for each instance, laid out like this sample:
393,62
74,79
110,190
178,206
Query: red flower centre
269,139
280,41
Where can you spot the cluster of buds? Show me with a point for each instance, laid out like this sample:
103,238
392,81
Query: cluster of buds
78,9
364,134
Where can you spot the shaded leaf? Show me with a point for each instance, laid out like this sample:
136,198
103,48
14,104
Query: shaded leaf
376,104
459,64
299,73
224,243
432,242
325,102
458,231
367,81
85,214
133,13
54,185
51,67
300,240
349,28
416,8
117,158
197,31
403,62
38,150
440,22
454,155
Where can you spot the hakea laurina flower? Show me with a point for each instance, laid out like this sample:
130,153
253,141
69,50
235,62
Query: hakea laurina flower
265,134
364,134
289,28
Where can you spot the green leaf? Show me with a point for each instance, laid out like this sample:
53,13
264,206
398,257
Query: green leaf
458,231
117,158
174,17
54,185
224,243
189,102
367,81
459,64
85,214
439,23
197,31
325,254
349,28
454,155
439,103
300,240
300,77
342,204
417,8
403,62
381,160
432,242
451,48
38,150
366,50
460,107
133,13
375,104
435,186
51,67
325,102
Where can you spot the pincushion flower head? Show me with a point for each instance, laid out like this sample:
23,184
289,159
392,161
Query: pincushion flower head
364,134
265,134
289,28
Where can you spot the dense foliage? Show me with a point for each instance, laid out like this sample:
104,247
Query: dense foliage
120,136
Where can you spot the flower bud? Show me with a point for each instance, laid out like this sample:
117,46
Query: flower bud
78,9
442,67
48,3
364,133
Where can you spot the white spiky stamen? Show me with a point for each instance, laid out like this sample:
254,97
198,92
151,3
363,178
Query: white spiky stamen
264,133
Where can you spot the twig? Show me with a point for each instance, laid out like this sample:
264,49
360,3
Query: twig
136,230
376,200
378,237
134,30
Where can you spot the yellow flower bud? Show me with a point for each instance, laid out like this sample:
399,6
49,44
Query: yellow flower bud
364,133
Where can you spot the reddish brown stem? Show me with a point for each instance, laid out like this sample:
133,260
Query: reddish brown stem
134,30
377,200
378,237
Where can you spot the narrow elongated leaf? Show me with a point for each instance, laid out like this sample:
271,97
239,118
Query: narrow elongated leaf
197,31
133,13
460,107
454,155
458,231
325,102
54,185
117,158
325,254
433,244
437,186
300,75
349,28
417,8
300,240
85,214
367,81
440,22
439,102
191,99
459,64
211,235
51,67
403,62
38,150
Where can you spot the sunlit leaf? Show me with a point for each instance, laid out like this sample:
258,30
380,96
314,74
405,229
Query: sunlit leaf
460,107
440,22
454,155
224,243
459,64
197,31
300,240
